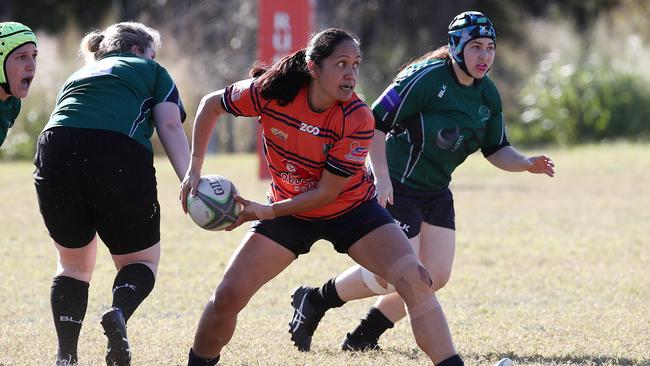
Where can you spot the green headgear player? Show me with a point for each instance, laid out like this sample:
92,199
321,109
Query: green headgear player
18,59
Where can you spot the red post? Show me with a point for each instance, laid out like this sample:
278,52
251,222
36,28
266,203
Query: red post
284,27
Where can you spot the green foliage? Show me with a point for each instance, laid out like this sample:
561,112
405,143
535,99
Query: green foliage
587,101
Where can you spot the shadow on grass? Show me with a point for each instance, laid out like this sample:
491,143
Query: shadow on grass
592,360
561,359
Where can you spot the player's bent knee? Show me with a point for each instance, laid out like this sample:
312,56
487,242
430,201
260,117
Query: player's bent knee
370,279
410,278
228,298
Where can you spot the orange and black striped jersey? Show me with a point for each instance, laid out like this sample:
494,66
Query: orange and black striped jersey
299,143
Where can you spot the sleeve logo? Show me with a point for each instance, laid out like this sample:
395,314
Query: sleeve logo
357,153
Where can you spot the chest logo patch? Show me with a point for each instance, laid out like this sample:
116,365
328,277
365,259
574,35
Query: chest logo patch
442,91
484,113
301,178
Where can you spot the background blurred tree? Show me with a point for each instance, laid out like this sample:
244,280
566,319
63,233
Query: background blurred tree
210,43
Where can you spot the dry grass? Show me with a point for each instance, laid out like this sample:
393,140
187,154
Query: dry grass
548,272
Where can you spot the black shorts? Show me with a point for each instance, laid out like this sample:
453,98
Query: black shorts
96,181
299,235
411,207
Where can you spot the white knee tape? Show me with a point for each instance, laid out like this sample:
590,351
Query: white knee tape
371,282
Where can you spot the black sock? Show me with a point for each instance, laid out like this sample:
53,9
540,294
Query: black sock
132,285
194,360
372,326
326,297
69,300
454,360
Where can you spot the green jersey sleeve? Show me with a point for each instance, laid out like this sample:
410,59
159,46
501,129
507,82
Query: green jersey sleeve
8,113
412,92
166,91
495,129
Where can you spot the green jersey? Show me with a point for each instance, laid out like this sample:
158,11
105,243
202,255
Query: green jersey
9,110
116,93
434,123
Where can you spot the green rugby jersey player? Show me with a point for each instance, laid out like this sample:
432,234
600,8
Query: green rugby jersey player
440,108
95,178
18,53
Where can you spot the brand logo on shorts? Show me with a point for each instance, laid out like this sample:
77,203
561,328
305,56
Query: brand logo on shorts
405,228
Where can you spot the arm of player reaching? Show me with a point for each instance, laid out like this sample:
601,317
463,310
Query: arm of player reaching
207,114
509,159
329,187
172,136
379,165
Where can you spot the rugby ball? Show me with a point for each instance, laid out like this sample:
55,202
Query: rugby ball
214,206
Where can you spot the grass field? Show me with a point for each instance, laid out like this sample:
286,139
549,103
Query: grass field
547,272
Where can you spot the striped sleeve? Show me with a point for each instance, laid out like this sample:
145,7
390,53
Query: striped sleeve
242,99
348,154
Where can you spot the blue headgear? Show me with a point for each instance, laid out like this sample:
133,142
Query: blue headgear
464,28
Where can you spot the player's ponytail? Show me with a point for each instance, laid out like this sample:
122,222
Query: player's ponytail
120,37
441,53
283,80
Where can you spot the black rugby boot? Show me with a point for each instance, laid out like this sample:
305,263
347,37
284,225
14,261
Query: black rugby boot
305,318
118,352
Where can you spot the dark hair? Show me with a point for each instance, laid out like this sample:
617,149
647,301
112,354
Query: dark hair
282,80
441,53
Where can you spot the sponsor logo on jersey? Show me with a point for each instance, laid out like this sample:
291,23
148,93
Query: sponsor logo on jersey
357,153
301,178
305,127
279,133
484,113
442,91
390,100
449,139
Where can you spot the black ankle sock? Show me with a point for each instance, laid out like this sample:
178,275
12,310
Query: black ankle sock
69,300
326,297
372,326
194,360
132,285
454,360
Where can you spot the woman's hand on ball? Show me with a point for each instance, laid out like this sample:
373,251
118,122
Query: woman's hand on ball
251,211
189,185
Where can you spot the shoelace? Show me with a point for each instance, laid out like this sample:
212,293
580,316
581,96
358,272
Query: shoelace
298,316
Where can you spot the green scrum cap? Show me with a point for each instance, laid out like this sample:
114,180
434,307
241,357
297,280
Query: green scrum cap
12,36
